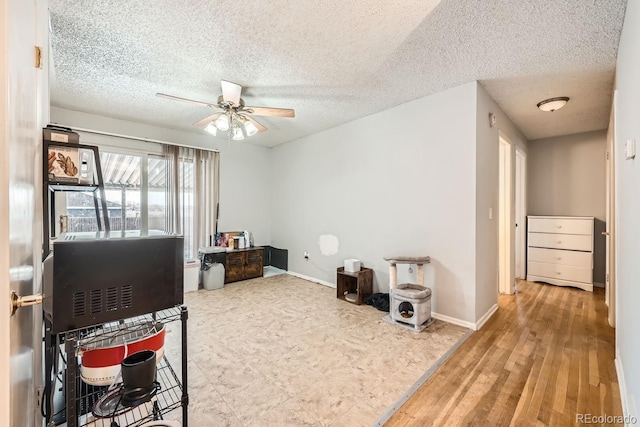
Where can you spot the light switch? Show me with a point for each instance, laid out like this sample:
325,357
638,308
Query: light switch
630,149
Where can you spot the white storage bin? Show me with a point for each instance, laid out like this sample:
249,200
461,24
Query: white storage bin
352,265
191,275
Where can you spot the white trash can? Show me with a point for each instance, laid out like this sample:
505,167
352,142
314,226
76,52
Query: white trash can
212,270
213,278
191,275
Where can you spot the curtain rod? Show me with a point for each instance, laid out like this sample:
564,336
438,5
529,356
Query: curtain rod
135,138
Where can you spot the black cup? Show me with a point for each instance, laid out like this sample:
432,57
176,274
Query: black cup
139,370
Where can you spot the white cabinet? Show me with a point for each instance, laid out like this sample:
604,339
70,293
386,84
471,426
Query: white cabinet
560,251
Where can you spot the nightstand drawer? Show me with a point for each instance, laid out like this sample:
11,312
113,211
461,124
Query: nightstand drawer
560,257
572,242
561,226
563,272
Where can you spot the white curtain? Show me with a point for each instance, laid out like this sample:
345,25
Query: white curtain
192,195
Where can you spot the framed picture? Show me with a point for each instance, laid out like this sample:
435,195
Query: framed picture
63,164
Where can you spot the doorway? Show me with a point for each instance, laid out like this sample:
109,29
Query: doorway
506,279
521,213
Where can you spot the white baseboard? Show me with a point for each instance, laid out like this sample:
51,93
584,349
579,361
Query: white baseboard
453,320
312,279
622,385
464,323
486,317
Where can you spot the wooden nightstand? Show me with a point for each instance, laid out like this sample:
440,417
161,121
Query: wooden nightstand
354,287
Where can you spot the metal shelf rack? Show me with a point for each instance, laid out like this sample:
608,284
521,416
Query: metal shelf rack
77,399
51,186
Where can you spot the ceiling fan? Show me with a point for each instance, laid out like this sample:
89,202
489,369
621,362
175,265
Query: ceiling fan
233,117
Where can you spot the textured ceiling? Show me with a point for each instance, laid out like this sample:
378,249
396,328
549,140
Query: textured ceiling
335,60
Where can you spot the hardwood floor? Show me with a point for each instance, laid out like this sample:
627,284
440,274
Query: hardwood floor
545,356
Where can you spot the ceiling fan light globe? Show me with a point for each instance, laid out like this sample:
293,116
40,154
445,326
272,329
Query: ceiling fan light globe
236,134
211,128
222,123
250,128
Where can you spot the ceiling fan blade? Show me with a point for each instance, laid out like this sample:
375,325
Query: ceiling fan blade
191,101
207,119
258,125
268,111
231,92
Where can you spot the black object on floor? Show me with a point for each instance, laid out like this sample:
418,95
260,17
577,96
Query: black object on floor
278,258
378,300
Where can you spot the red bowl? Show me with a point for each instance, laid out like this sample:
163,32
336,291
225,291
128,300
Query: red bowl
103,353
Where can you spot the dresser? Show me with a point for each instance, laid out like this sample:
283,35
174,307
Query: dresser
560,250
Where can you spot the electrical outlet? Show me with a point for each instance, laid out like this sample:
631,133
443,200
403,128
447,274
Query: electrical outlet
306,255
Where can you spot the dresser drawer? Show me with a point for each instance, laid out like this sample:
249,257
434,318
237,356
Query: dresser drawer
556,256
560,225
575,242
563,272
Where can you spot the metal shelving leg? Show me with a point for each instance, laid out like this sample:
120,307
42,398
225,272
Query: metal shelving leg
70,379
184,315
49,351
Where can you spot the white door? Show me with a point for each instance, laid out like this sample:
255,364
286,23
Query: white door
20,208
521,213
610,276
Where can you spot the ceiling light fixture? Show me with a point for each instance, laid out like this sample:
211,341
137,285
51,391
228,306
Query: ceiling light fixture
235,126
553,104
233,118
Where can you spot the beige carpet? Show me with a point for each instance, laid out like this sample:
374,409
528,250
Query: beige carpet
282,351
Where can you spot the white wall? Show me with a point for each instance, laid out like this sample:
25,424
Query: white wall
244,168
401,181
628,211
487,143
567,177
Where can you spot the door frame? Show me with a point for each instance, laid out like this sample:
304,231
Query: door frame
521,213
506,258
610,219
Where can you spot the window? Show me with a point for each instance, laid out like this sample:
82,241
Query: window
154,189
123,186
157,193
122,174
185,185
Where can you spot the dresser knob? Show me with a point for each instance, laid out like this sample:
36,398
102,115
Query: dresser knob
559,258
557,272
559,241
559,226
